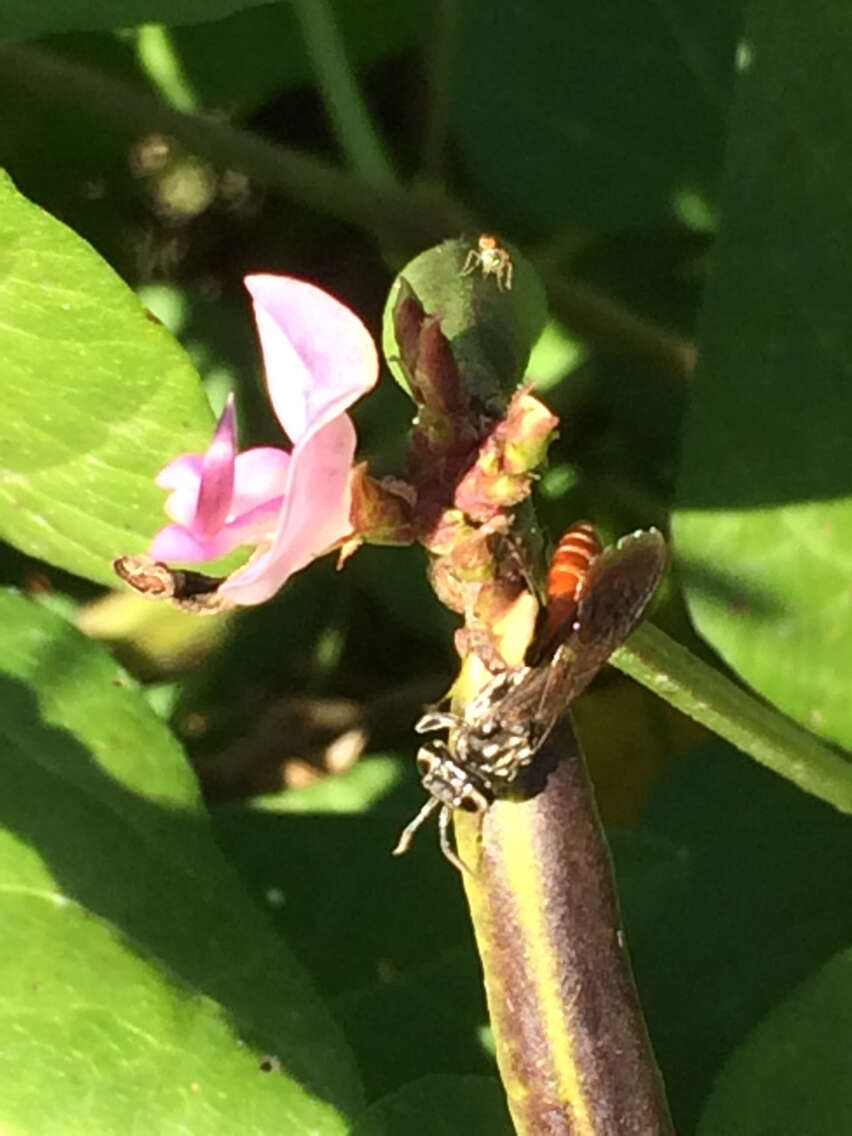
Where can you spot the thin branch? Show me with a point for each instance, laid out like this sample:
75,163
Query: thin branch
594,316
704,694
409,216
356,132
160,61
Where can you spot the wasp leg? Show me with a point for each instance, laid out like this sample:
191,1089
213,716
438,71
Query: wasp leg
407,834
446,846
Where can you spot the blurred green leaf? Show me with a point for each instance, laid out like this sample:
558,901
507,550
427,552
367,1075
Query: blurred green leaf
396,580
734,888
138,976
601,115
327,877
431,1019
793,1075
20,19
439,1106
97,397
350,792
764,524
388,939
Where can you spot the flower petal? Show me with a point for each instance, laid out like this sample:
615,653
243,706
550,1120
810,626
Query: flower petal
259,474
256,526
180,470
217,476
315,513
183,477
318,355
174,542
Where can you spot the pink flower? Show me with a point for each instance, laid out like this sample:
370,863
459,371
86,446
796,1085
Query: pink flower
319,359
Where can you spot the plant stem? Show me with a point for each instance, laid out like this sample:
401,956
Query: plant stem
704,694
355,129
161,62
591,315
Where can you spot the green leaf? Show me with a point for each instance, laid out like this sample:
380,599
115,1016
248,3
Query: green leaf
336,838
603,115
97,397
764,524
793,1075
350,792
135,969
734,888
20,19
407,988
429,1020
439,1106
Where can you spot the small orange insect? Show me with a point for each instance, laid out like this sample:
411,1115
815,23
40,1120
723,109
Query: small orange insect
577,548
493,259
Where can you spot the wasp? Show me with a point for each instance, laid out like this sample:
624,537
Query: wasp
493,259
596,597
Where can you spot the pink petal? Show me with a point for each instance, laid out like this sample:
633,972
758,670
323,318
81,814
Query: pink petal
180,470
318,355
257,526
315,513
259,474
174,542
217,476
183,476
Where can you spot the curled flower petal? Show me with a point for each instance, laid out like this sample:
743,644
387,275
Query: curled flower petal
253,484
315,514
318,355
203,484
216,489
259,481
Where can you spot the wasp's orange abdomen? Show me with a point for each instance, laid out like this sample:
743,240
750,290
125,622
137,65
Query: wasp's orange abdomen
577,548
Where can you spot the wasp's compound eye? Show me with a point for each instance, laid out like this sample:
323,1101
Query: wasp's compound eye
426,761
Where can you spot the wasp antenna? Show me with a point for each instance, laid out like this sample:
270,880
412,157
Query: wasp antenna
446,847
407,834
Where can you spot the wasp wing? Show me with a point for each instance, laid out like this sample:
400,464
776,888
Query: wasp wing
618,587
